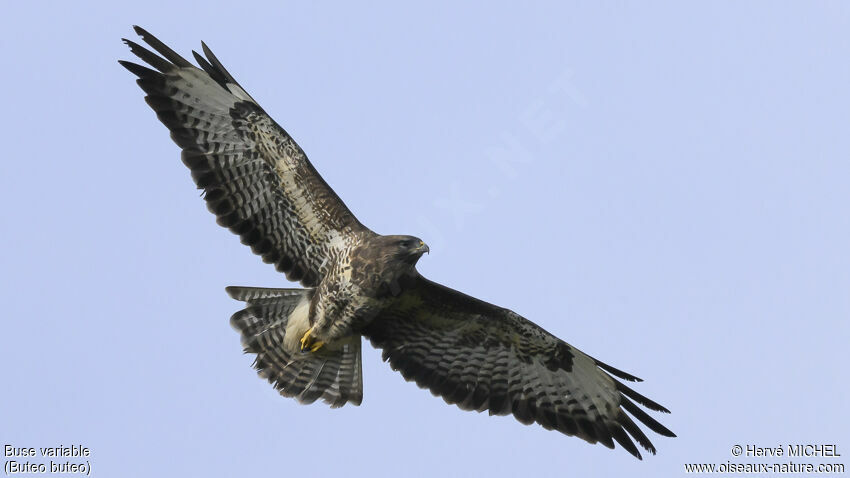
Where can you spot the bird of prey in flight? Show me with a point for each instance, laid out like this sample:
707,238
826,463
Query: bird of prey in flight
357,283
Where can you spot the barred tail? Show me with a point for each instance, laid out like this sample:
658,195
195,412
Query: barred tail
271,326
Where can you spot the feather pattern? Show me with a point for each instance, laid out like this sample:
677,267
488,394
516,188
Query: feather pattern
482,357
256,179
335,375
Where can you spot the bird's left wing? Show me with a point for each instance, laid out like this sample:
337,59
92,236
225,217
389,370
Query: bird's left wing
256,179
483,357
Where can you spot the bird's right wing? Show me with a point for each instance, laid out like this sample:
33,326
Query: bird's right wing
483,357
256,179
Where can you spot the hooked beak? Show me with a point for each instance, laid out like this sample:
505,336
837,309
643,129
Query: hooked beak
423,248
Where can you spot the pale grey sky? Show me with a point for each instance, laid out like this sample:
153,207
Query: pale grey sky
664,185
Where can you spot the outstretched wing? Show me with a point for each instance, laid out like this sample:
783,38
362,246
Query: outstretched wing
256,179
482,357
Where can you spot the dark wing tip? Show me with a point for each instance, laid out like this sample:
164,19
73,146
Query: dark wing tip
215,74
160,48
646,402
617,372
623,439
148,56
644,418
138,70
631,427
217,66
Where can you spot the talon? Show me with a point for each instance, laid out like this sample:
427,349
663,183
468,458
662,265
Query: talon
305,340
308,342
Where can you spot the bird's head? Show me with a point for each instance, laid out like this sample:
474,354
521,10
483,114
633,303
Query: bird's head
402,249
388,261
409,248
387,264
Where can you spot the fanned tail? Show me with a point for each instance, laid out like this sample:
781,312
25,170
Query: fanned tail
271,326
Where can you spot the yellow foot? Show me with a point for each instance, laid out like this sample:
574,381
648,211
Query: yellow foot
308,342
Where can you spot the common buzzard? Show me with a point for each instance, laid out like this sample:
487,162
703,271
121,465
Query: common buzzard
260,185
